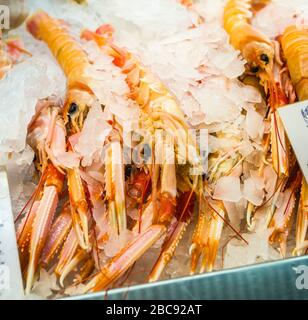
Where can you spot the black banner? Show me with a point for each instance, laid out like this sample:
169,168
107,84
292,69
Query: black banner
135,309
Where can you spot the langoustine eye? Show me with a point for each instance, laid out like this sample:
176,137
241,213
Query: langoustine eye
254,69
264,57
73,108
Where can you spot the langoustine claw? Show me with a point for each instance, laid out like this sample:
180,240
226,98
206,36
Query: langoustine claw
125,259
42,221
58,234
207,235
176,230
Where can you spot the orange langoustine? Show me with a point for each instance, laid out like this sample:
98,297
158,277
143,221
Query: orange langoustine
294,44
47,134
263,57
159,207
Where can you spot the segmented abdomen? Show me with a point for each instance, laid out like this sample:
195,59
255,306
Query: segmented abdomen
236,12
236,18
68,52
294,42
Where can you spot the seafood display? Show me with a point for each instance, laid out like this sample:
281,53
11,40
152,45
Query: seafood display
151,150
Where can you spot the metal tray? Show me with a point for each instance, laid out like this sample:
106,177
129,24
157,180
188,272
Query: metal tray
271,280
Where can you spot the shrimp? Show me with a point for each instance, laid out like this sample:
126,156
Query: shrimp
79,98
160,113
294,43
262,61
259,52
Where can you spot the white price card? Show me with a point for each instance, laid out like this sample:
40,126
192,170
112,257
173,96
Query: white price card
11,286
295,120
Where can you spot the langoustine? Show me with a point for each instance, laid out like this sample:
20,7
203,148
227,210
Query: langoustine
259,52
212,216
73,252
294,45
160,111
264,58
264,65
47,135
261,56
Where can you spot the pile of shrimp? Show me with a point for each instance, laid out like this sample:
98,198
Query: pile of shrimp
123,164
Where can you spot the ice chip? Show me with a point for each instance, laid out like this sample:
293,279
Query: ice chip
93,134
116,242
254,124
19,90
252,193
228,189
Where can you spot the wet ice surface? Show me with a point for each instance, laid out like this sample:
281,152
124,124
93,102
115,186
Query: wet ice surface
20,89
